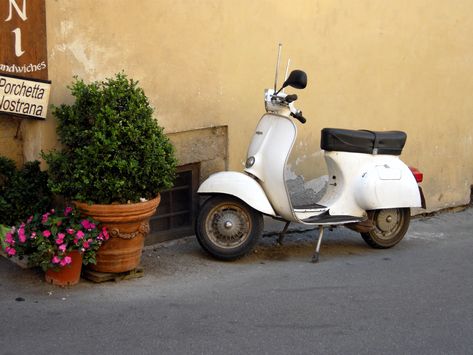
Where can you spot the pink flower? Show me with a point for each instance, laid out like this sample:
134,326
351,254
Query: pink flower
9,238
67,211
10,251
33,235
29,219
46,233
87,224
21,234
70,231
80,234
86,244
56,259
60,238
63,247
45,217
105,233
66,261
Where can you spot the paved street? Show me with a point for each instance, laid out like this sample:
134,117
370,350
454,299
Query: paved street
416,298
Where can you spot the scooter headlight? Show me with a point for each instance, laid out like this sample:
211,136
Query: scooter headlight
250,162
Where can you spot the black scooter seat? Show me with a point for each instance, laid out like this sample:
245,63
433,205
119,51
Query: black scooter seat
363,141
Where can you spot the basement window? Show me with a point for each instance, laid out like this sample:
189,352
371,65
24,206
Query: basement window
176,213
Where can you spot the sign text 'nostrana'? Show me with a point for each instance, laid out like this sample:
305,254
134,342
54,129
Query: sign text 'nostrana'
25,97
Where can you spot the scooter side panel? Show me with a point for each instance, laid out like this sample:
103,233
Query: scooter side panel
360,182
388,186
239,185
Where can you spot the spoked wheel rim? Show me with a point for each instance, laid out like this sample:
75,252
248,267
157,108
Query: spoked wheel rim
388,223
228,225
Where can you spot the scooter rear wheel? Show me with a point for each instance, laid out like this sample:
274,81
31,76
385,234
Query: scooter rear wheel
390,226
227,228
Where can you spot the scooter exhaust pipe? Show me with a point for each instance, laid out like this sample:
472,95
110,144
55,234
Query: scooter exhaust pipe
361,227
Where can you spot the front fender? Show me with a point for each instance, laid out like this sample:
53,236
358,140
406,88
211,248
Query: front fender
238,185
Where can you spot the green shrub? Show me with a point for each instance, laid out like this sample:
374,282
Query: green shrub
3,231
22,192
114,151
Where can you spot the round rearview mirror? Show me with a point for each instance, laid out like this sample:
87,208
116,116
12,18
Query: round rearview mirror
297,79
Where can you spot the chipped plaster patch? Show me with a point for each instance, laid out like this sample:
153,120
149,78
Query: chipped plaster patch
66,28
79,50
76,46
317,184
86,53
289,173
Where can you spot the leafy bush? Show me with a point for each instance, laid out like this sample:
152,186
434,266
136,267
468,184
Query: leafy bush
3,231
114,151
22,192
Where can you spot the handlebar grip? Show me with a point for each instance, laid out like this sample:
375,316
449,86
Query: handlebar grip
290,98
299,117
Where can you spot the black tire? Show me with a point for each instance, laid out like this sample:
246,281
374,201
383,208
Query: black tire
390,227
227,228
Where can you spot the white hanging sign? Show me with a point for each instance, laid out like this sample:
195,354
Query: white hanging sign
24,96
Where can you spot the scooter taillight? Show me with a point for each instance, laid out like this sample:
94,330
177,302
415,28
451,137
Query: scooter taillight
417,174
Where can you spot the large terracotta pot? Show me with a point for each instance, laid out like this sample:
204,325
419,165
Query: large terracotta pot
67,275
127,225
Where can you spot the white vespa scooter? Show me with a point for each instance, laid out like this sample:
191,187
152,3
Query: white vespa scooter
370,190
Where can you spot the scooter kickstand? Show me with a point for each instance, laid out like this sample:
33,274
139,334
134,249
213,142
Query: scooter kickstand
282,233
315,257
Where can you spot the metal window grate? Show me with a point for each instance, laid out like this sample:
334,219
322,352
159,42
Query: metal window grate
176,212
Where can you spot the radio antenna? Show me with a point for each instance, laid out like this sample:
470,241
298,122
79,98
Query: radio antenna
287,70
277,67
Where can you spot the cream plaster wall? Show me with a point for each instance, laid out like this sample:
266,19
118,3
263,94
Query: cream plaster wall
374,64
10,139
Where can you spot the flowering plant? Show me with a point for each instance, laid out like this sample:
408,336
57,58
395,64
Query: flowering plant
48,238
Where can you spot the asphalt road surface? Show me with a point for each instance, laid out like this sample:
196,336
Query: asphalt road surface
416,298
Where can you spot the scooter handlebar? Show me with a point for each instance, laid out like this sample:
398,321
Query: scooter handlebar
299,117
290,98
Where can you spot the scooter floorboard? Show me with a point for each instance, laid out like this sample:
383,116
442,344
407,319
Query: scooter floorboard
311,206
325,218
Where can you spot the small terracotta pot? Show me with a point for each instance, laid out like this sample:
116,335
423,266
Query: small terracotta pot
67,275
127,225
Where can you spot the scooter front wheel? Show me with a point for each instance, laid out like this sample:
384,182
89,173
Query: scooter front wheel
390,226
227,228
